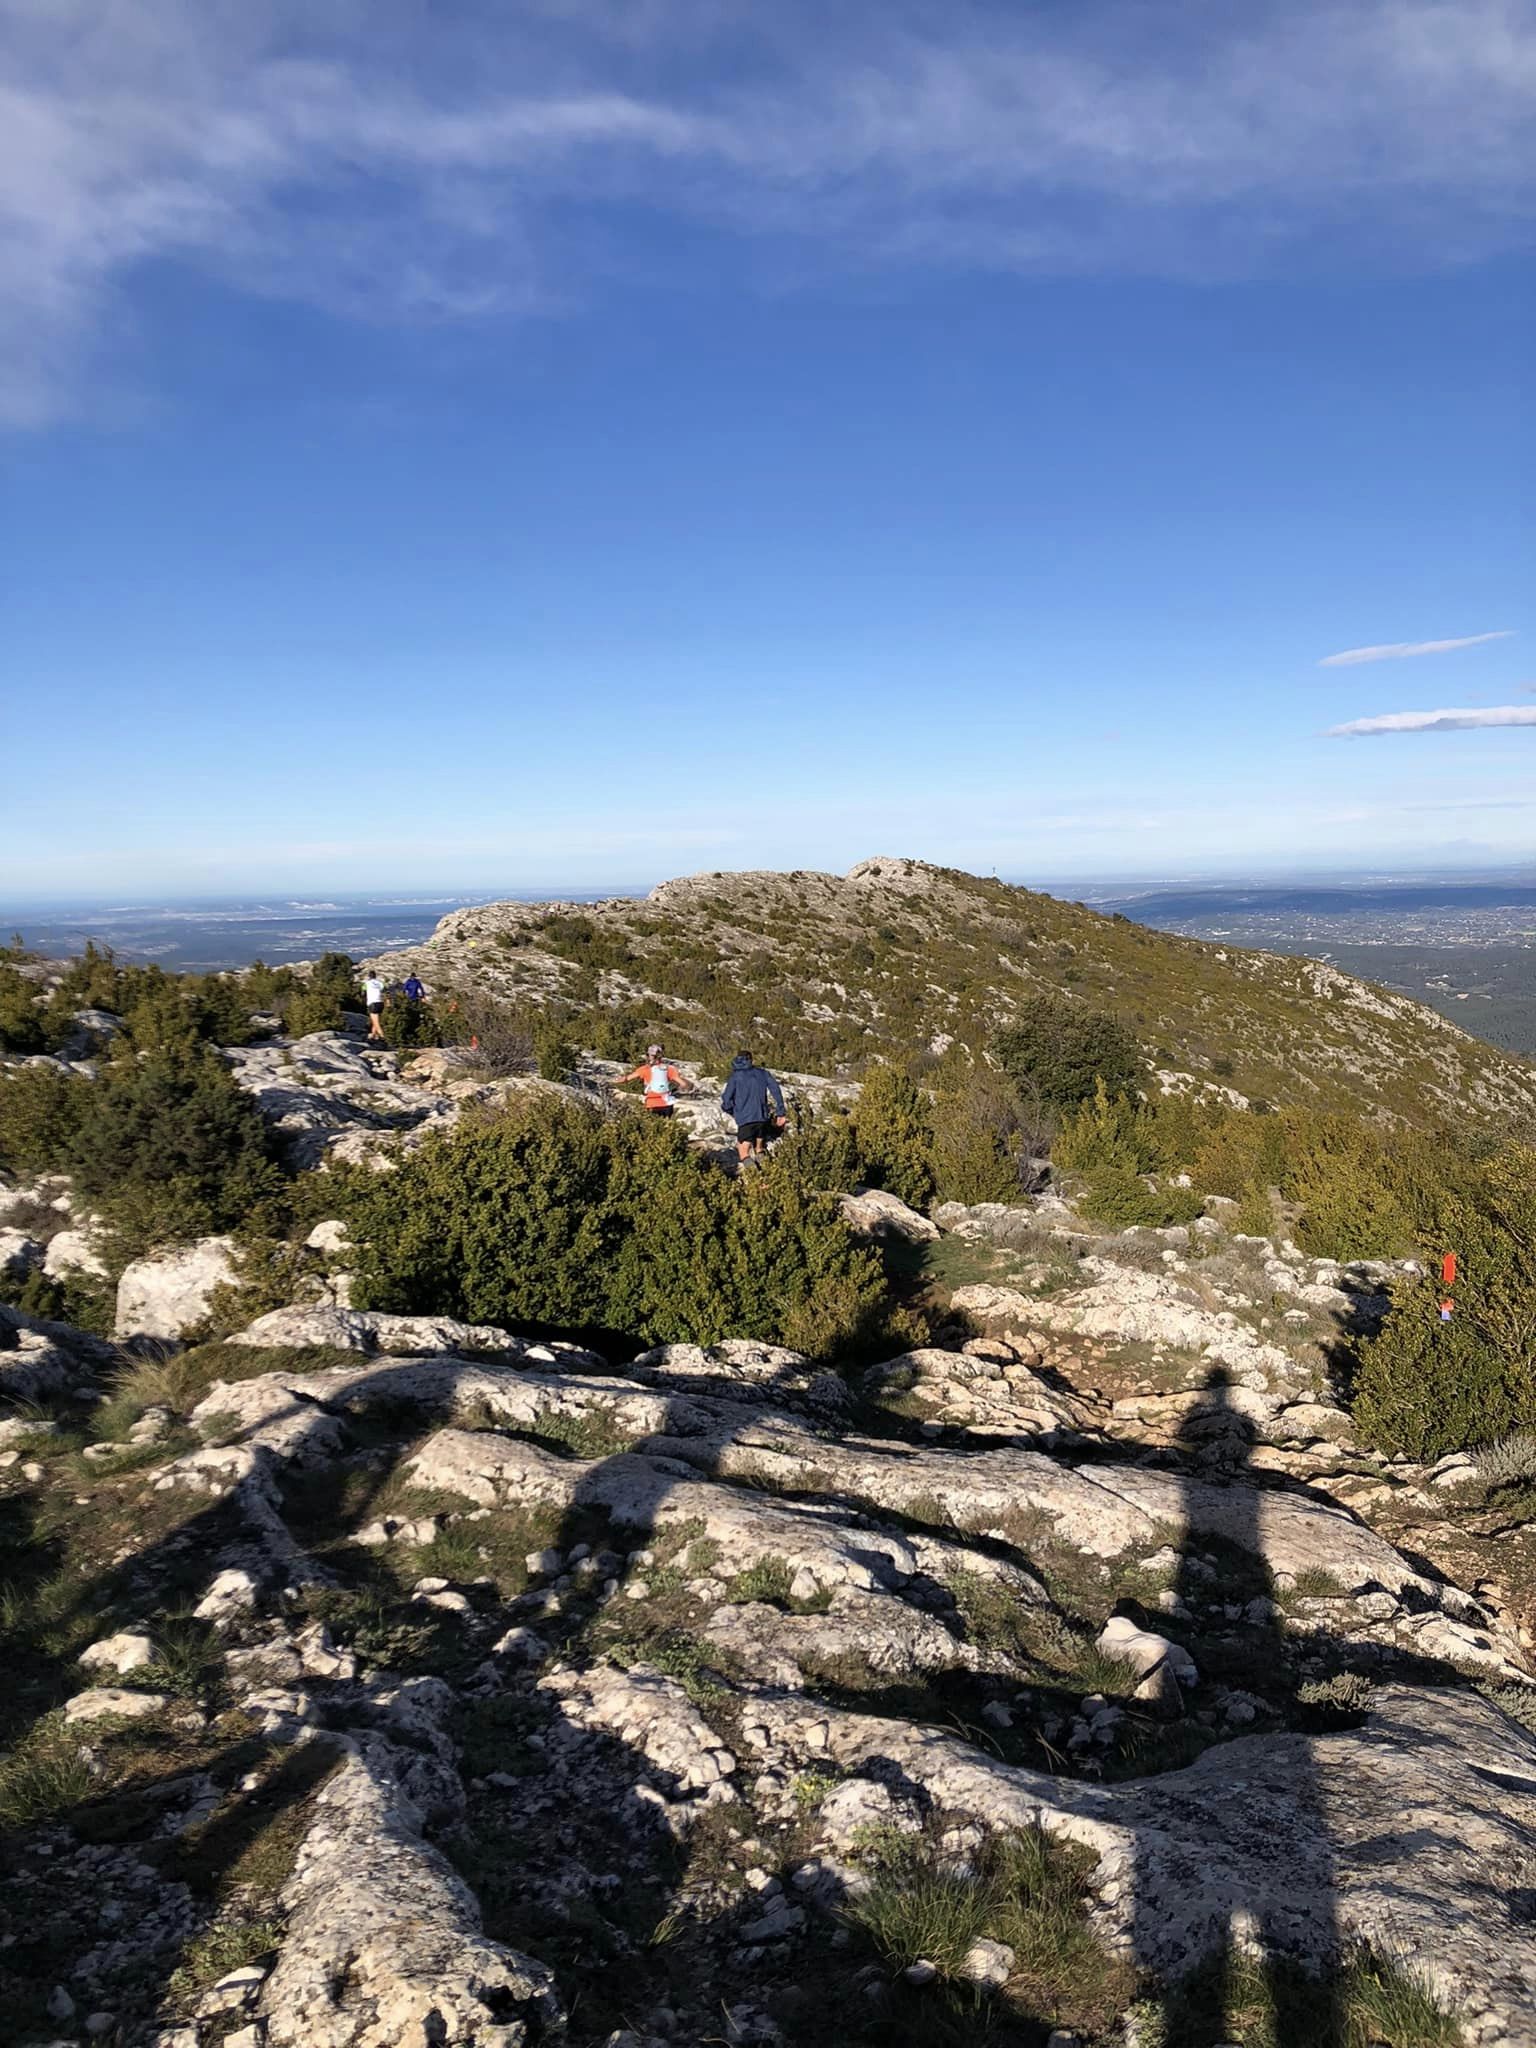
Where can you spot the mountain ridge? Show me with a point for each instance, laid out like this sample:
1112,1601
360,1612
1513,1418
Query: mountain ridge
900,958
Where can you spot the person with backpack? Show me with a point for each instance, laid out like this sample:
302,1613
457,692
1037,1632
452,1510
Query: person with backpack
756,1101
662,1082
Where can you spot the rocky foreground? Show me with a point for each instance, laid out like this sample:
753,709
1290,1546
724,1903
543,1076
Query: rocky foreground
432,1686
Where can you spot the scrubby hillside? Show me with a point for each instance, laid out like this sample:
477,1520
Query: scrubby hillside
900,958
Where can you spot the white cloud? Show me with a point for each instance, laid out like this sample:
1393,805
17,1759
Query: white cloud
367,158
1473,719
1400,650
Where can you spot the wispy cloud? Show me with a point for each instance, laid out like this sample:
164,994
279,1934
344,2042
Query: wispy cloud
1473,719
1401,650
377,158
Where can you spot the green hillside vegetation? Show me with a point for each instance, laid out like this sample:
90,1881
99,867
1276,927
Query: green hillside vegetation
548,1216
912,963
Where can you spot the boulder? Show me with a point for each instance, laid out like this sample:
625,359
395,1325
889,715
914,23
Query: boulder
20,1252
371,1333
112,1703
971,1389
874,1213
232,1593
1162,1667
169,1294
1412,1834
383,1942
327,1092
38,1357
738,1369
74,1251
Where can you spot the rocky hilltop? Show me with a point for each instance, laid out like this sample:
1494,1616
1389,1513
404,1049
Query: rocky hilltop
898,956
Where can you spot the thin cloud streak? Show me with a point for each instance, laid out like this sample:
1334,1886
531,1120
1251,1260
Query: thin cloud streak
1402,650
1470,719
362,159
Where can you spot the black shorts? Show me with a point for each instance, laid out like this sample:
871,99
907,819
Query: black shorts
660,1109
752,1134
374,1009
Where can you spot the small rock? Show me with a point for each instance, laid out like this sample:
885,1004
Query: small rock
232,1592
112,1702
60,2005
128,1650
988,1963
920,1972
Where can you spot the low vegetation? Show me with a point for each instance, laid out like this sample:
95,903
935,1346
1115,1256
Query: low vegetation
555,1216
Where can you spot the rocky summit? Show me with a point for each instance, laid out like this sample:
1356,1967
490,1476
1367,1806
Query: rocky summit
427,1629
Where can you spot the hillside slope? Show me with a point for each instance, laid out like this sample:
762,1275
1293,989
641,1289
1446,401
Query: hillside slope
897,957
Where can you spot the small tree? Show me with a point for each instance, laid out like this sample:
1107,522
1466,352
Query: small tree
1063,1048
166,1147
320,1003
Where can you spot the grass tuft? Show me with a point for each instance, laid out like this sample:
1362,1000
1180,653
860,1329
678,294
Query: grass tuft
43,1776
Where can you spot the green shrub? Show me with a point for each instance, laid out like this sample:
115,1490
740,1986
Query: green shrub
164,1146
1064,1048
320,1003
80,1299
168,1147
40,1111
821,1151
555,1216
1427,1387
170,1011
1113,1195
1107,1132
21,1023
893,1128
556,1053
984,1137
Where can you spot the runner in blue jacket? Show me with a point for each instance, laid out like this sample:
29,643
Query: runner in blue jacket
754,1098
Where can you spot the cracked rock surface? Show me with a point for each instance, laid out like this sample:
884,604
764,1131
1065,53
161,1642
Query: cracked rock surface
568,1698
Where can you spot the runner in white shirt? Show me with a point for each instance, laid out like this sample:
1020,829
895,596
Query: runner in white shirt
373,996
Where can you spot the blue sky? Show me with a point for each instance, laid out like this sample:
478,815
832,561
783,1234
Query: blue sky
581,442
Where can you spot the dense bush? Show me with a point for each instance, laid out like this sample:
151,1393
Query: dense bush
320,1003
1113,1146
557,1216
21,1023
984,1138
893,1130
1425,1386
1063,1049
163,1145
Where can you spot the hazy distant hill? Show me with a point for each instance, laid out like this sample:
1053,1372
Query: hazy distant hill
820,971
